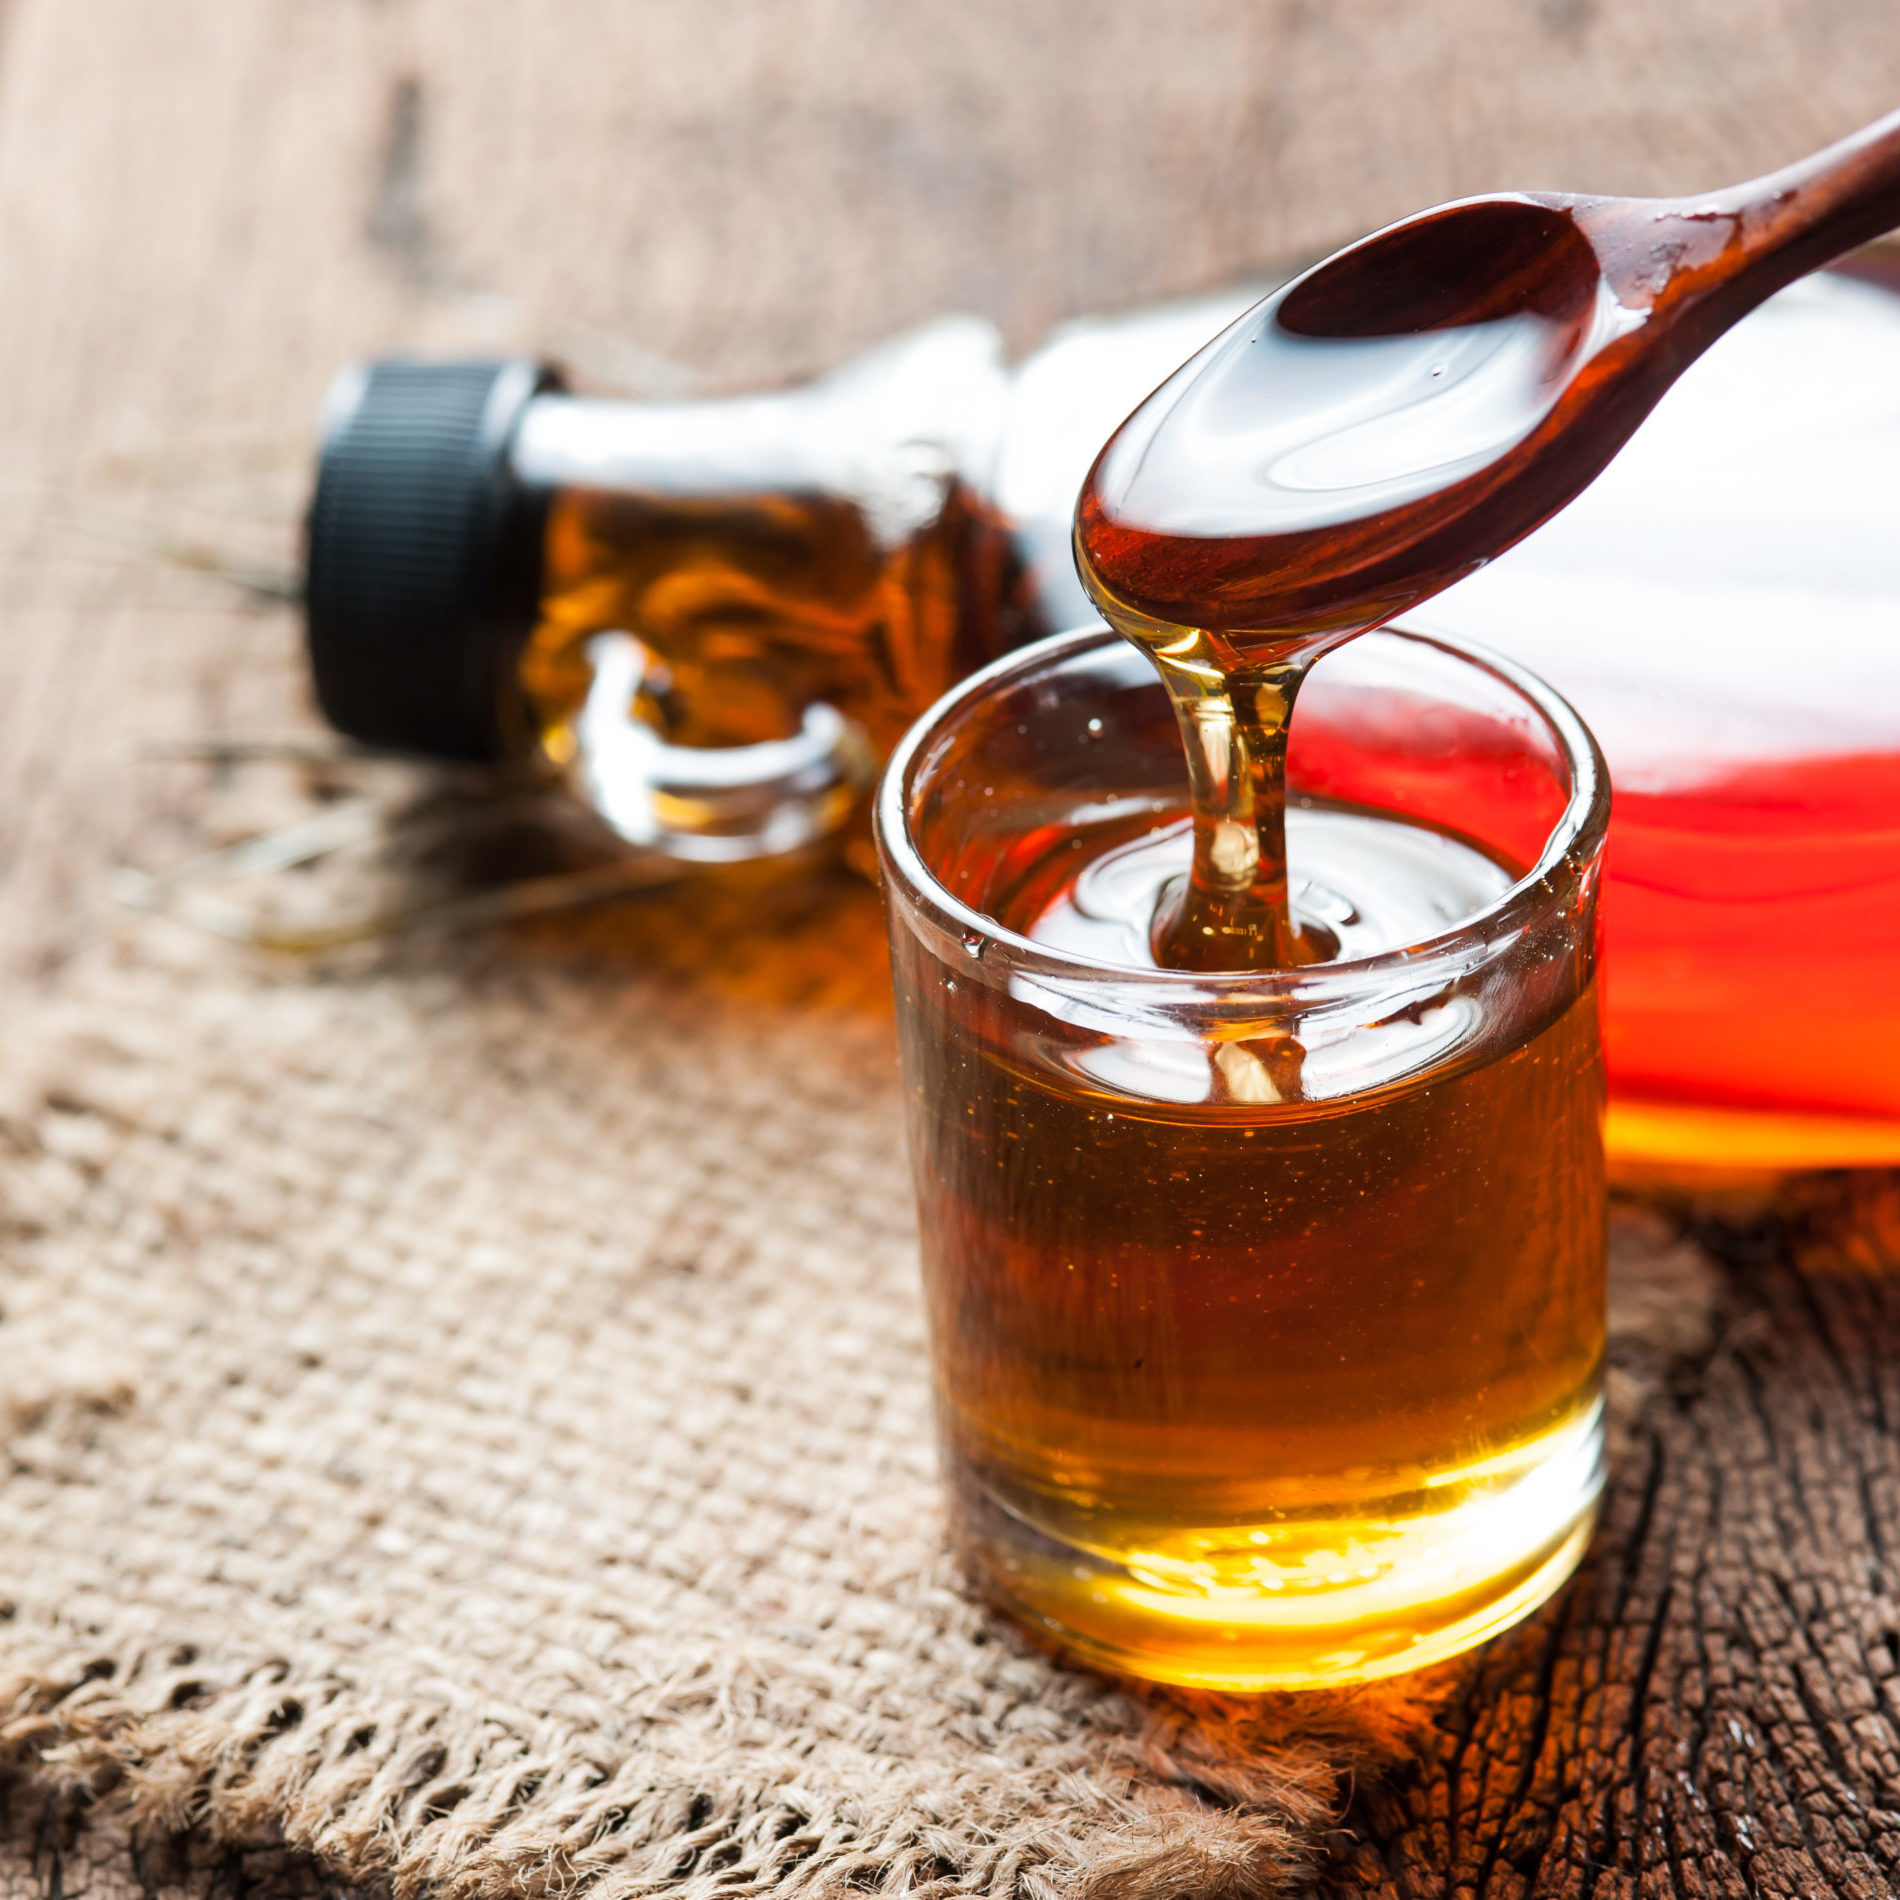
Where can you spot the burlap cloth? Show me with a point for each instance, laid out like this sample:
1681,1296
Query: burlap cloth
466,1417
469,1416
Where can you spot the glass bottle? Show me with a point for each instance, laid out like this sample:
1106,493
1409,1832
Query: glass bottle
715,617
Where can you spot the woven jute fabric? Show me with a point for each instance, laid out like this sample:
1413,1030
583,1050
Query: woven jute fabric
466,1418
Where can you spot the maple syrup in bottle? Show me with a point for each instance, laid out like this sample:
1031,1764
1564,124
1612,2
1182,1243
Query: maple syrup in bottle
1720,605
1266,1306
714,617
822,544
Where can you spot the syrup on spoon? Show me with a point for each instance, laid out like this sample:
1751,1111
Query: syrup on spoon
1386,424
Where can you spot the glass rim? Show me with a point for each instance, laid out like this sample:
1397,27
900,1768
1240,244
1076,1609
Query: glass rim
1573,841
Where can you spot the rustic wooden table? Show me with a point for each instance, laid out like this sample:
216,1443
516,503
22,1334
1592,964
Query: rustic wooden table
206,206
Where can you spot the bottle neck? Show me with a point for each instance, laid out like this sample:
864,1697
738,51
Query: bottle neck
751,445
890,433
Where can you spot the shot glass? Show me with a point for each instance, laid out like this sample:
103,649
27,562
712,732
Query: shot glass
1266,1310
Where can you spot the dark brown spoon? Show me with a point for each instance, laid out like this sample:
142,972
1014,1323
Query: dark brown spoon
1408,409
1385,424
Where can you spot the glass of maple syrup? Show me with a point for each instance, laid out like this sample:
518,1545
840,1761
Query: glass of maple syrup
1267,1309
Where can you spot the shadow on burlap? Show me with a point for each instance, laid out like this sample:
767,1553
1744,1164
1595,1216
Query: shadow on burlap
468,1432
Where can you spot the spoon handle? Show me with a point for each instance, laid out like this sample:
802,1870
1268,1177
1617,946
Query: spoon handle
1703,263
1796,219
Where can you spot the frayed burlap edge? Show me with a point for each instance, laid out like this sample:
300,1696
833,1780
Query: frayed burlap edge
1225,1800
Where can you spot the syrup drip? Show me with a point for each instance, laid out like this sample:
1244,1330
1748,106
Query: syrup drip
1333,458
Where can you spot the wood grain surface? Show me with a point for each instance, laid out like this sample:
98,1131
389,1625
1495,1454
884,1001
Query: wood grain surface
207,205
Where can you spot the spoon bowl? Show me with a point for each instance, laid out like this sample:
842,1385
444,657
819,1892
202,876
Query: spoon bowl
1408,409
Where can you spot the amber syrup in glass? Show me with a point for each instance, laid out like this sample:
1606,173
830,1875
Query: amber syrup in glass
1255,1389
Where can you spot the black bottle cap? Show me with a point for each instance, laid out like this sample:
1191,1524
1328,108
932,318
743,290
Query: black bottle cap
424,557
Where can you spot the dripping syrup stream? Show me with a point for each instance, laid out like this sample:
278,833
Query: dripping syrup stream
1232,911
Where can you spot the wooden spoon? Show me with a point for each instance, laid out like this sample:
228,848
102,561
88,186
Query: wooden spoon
1405,411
